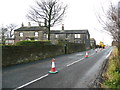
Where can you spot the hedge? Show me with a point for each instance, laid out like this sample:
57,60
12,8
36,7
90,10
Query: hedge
33,43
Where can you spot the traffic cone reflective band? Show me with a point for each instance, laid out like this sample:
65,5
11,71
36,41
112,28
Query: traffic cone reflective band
86,54
53,69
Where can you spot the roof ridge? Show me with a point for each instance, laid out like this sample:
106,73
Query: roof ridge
31,28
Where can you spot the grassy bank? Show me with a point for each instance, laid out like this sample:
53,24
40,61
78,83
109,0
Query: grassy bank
112,74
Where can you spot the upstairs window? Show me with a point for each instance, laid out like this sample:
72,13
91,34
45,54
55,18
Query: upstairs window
36,34
77,35
21,34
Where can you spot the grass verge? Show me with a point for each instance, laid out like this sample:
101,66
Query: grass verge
112,74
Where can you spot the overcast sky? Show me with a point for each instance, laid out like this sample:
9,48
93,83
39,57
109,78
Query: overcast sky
80,15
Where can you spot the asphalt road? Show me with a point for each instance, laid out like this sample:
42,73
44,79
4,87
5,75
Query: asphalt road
75,71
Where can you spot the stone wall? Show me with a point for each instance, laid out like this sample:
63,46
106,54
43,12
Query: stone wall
12,55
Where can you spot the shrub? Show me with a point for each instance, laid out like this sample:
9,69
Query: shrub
33,43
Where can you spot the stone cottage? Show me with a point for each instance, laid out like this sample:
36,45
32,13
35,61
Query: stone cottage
73,36
30,33
92,43
40,33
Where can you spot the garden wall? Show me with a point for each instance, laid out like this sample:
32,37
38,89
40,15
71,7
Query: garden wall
23,53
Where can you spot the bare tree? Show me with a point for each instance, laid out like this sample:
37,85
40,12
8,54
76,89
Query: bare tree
3,33
119,26
11,28
109,21
52,11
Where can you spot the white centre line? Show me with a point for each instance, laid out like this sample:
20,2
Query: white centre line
44,76
74,62
32,82
92,54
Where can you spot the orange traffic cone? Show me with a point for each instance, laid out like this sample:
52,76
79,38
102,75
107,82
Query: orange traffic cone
53,69
86,54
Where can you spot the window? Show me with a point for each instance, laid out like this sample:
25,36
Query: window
28,39
68,35
21,34
36,34
87,37
45,35
56,36
77,35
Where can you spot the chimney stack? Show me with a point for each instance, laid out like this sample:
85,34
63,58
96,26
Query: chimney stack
62,27
29,24
22,25
39,23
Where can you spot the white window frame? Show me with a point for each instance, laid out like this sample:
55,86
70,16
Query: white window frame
28,39
79,36
76,35
56,36
45,35
36,34
21,34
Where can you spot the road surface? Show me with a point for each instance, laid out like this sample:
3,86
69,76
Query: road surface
74,71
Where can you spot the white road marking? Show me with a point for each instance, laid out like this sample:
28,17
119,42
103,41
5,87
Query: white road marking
70,64
79,54
74,62
48,74
109,54
92,54
43,76
31,82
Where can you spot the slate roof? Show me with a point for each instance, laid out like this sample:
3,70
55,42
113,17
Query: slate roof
36,28
69,31
33,28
